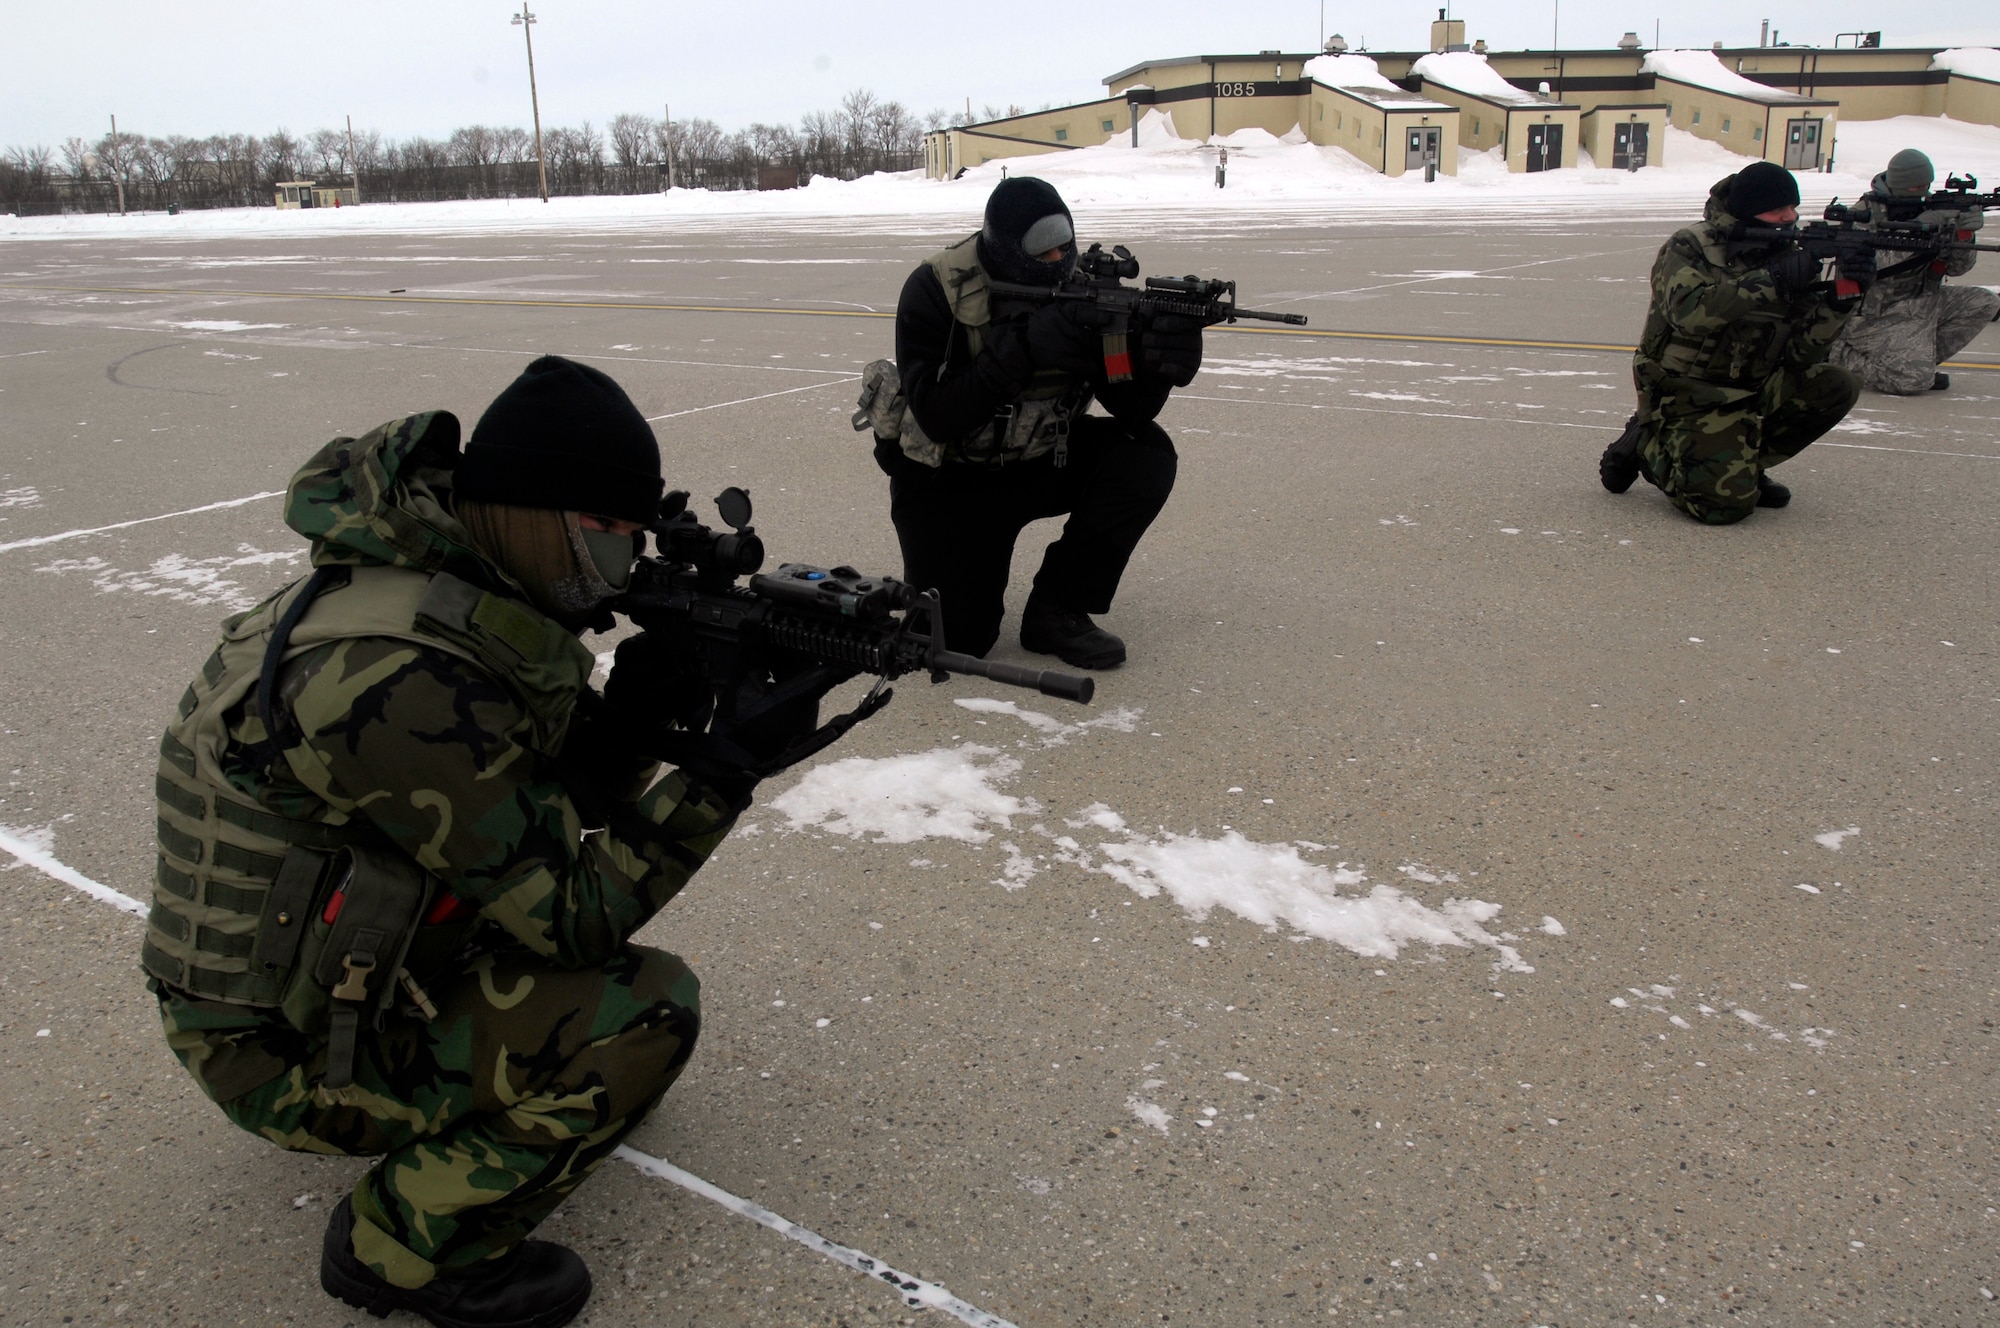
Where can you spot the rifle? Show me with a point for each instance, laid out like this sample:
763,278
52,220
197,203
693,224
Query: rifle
1123,308
1848,231
1962,194
810,628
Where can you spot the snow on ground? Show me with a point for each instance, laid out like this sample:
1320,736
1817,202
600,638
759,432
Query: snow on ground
1862,148
956,793
179,577
1273,180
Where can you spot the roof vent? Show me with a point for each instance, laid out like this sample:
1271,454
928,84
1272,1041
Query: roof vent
1629,42
1479,47
1336,45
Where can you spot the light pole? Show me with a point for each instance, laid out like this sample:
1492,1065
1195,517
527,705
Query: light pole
526,21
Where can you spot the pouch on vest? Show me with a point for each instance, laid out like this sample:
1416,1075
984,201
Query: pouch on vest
880,405
350,963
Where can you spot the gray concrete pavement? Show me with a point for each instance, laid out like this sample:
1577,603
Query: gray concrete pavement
1389,611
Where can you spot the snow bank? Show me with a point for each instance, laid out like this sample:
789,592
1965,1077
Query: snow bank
1702,69
1469,72
1348,71
1971,61
1863,147
1272,181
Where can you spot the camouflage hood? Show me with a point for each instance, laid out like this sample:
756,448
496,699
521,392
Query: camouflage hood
1717,221
385,499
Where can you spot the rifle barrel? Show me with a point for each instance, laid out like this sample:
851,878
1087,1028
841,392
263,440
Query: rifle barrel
1068,686
1296,320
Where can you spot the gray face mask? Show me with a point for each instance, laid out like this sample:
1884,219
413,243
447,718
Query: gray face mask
611,554
604,561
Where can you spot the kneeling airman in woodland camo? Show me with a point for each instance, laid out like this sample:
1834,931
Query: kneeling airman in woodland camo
378,925
1732,368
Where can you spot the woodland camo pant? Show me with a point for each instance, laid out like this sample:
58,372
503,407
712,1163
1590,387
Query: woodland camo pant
488,1116
1704,445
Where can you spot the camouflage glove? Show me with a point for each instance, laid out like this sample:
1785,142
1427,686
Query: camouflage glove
1170,349
1792,271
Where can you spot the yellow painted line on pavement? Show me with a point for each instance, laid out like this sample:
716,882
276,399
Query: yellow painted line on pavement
1408,338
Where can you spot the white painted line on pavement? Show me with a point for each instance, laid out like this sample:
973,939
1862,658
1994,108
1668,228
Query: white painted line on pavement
46,864
121,525
1913,451
916,1293
809,387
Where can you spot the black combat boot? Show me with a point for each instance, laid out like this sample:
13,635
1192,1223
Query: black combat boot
537,1285
1940,381
1619,465
1050,629
1770,493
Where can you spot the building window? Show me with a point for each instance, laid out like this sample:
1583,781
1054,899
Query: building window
1319,110
1757,133
1062,135
1697,117
1725,124
1107,125
1475,126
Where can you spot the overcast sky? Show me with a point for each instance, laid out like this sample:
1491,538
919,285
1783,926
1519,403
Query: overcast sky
406,67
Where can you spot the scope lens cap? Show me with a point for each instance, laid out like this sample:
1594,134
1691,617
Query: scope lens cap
734,505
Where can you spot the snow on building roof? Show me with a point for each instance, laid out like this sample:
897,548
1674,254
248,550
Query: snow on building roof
1703,70
1981,62
1347,71
1468,71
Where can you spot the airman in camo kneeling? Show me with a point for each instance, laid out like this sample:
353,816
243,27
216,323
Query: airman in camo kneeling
1732,368
379,926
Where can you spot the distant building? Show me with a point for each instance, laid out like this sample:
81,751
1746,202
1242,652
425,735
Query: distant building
1781,103
311,194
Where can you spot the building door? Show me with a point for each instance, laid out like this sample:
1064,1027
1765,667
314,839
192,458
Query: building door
1422,147
1545,147
1628,145
1802,145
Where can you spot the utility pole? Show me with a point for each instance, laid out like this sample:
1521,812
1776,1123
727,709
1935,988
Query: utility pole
353,162
118,165
667,138
526,21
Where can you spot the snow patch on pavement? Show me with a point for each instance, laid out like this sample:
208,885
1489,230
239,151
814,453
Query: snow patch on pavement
1834,838
179,577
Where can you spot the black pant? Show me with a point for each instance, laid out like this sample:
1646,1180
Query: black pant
958,523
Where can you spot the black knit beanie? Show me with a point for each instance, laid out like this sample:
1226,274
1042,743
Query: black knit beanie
1762,186
564,436
1023,208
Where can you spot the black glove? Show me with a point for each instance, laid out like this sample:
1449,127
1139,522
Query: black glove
768,735
1170,349
656,684
1858,266
1066,335
1792,271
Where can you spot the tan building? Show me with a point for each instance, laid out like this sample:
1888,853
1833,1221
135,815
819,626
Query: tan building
1536,132
1604,101
1392,130
311,194
1625,136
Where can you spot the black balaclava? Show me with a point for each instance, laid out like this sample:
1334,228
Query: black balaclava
1025,218
1761,186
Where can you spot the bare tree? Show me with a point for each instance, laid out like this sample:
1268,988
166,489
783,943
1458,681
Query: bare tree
326,152
281,157
857,113
633,140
